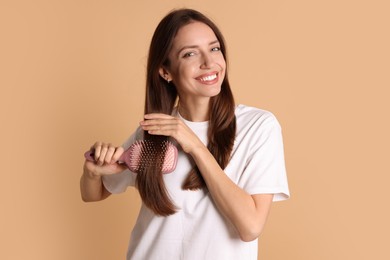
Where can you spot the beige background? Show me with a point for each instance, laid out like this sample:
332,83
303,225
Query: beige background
72,72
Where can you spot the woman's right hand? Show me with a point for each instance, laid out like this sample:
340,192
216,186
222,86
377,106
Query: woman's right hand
106,160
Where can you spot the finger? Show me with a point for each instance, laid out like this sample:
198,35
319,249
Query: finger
157,115
158,127
117,154
97,148
167,130
161,132
159,122
103,152
154,124
110,152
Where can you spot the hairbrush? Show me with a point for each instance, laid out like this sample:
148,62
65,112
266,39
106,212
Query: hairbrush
139,155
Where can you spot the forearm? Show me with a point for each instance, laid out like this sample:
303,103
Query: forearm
246,212
91,187
247,215
106,157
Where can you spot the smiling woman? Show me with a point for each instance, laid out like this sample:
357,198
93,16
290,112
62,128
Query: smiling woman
196,67
230,164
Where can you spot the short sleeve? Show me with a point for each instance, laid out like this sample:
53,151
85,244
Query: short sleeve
118,183
265,171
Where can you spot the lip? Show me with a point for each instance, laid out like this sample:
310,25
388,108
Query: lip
203,78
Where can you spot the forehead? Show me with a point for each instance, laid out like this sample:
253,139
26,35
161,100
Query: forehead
195,33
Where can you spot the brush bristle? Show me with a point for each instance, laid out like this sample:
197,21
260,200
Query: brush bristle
141,154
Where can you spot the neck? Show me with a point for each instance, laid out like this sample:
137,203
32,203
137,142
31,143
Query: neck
196,112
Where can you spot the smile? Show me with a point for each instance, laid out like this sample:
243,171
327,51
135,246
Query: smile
208,78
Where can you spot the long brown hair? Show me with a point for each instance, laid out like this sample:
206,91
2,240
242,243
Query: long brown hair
161,98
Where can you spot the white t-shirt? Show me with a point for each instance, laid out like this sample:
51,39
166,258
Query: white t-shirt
198,230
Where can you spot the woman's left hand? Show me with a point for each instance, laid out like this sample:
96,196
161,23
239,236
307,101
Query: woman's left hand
231,200
162,124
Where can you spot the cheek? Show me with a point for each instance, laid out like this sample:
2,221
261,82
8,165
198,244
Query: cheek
222,64
221,61
185,70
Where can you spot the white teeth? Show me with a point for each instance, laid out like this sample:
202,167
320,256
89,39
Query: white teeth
209,78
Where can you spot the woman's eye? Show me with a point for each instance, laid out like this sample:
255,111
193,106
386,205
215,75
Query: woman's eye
188,54
216,49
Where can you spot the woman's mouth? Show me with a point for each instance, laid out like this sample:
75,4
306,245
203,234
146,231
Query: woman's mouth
209,78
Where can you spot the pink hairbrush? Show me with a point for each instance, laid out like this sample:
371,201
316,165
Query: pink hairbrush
139,155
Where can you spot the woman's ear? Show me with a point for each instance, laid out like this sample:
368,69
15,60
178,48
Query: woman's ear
165,74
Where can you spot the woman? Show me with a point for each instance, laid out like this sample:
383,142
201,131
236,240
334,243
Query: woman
230,165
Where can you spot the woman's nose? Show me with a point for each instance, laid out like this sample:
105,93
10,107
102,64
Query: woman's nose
207,61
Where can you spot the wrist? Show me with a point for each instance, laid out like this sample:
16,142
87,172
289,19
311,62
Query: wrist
90,174
199,151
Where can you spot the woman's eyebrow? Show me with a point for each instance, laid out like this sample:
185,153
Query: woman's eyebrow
194,46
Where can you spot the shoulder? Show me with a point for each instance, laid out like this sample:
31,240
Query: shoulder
247,115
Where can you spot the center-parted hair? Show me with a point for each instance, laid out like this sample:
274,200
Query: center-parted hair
161,98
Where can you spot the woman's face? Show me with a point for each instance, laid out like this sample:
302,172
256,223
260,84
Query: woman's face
197,66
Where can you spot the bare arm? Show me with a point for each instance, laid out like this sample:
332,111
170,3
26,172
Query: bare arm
248,213
91,185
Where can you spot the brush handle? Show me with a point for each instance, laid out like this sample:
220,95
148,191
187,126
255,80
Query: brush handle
137,155
90,156
129,153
